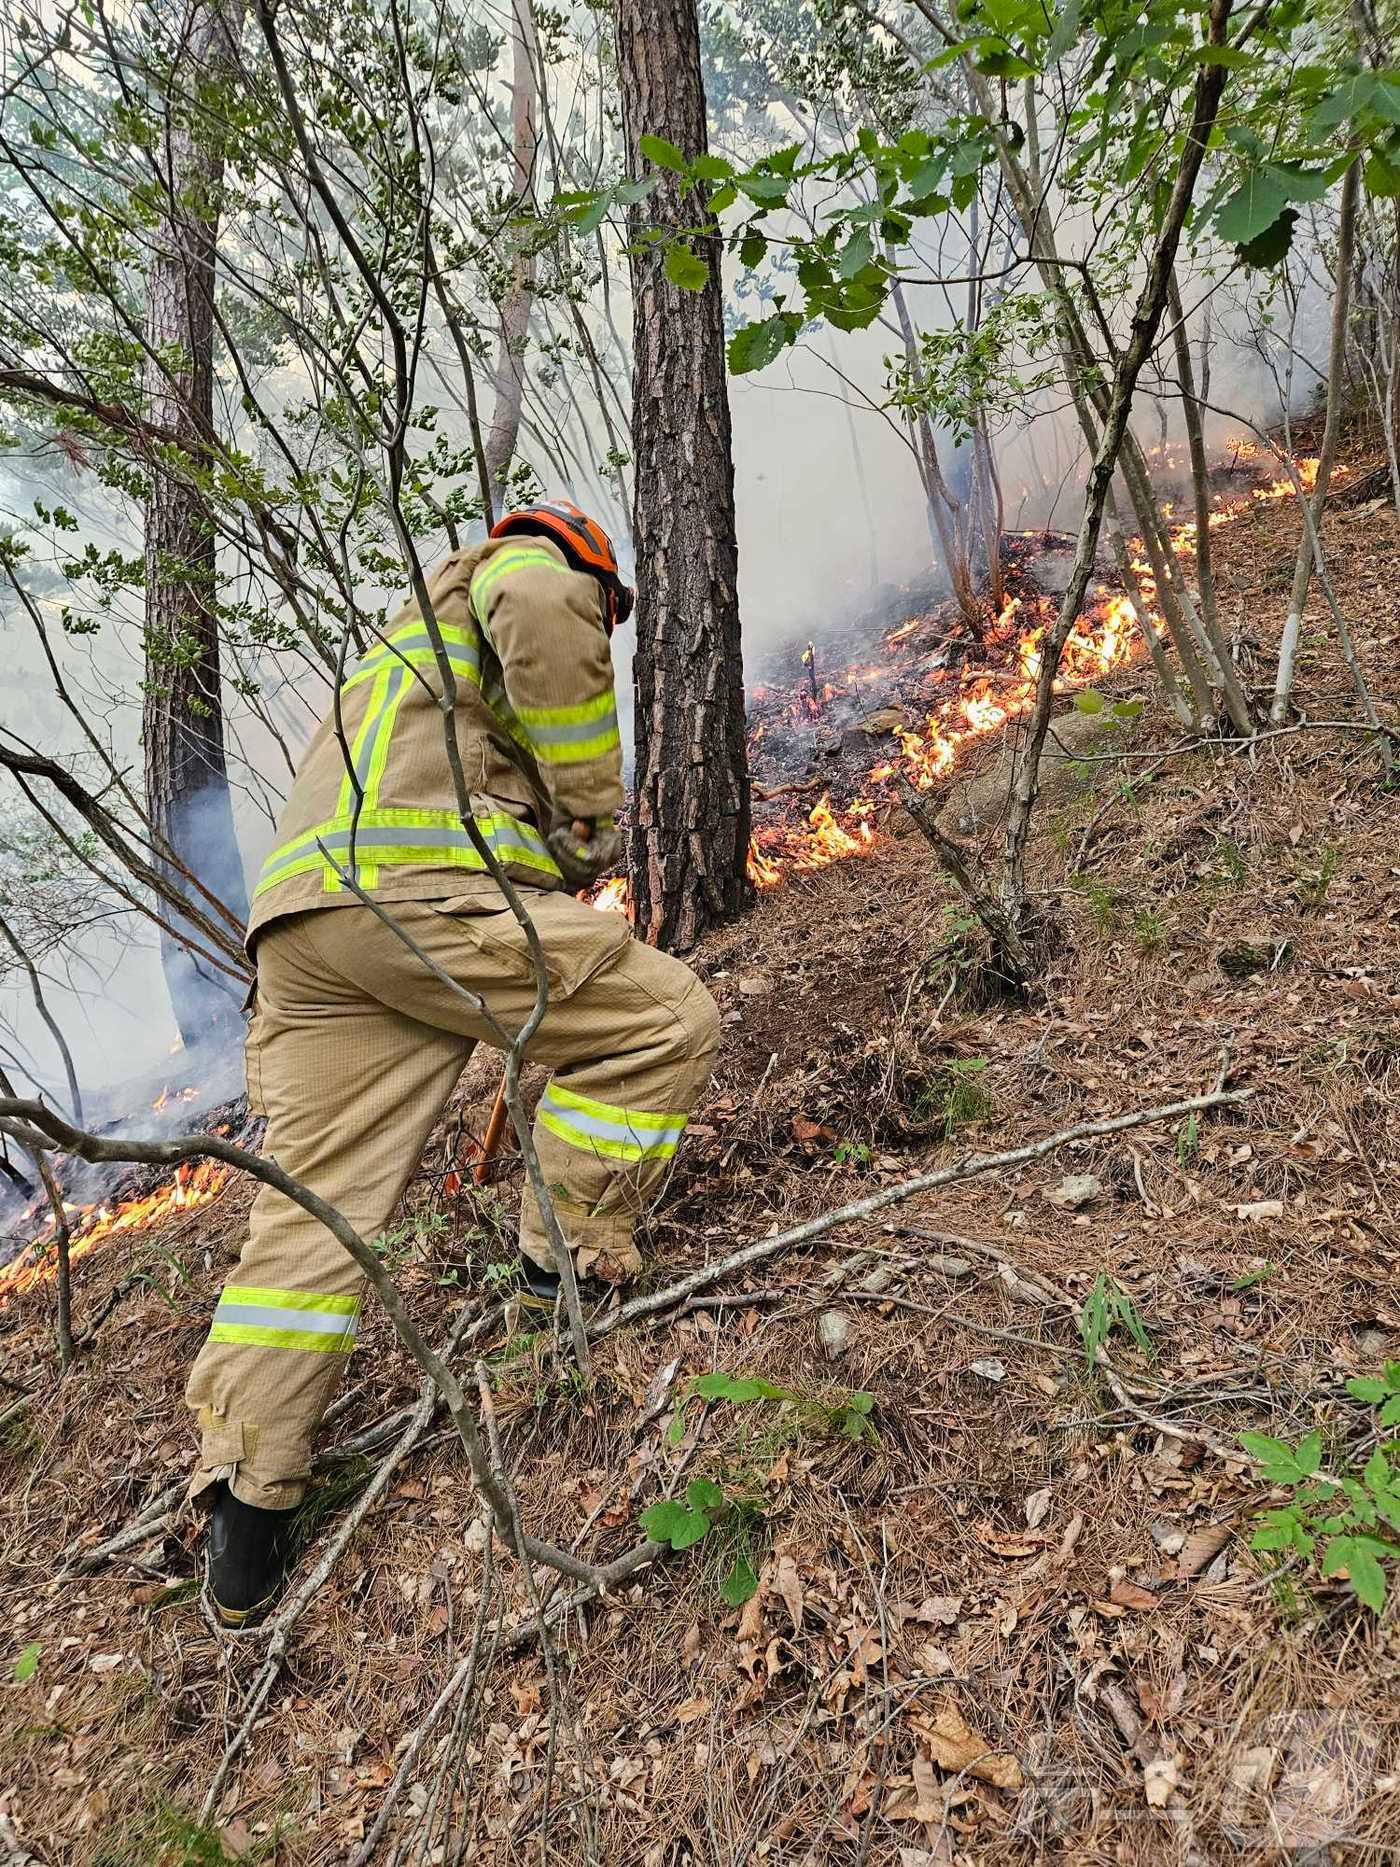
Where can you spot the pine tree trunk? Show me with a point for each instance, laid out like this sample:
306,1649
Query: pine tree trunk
691,833
187,792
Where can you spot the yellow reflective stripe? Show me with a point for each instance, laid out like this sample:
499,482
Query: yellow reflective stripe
329,1305
386,835
518,557
600,707
379,756
610,1111
601,1144
417,658
576,751
254,1335
364,739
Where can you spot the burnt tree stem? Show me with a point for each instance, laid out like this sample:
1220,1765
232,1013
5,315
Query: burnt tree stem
187,793
690,835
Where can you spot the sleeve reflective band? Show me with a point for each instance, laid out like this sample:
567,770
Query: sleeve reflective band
569,735
514,557
603,1128
253,1317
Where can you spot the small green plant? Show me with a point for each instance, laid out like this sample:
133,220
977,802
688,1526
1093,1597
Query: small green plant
1232,869
966,1098
1352,1517
1103,903
1106,1308
28,1662
954,962
1313,887
845,1415
708,1511
851,1154
1188,1139
1251,1278
1149,930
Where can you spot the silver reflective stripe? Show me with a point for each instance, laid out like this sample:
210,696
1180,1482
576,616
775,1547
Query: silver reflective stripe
460,654
421,836
577,732
602,1130
306,1321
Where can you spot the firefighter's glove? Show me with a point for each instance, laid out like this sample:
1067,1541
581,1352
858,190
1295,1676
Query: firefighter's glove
584,851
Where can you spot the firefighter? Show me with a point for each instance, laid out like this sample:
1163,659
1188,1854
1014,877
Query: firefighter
354,1045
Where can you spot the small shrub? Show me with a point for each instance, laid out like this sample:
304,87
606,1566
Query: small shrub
1348,1523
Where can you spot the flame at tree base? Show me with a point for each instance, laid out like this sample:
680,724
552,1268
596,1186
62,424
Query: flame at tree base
194,1185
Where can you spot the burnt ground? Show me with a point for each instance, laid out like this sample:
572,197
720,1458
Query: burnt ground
1021,1622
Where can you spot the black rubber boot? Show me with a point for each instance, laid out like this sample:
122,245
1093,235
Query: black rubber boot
545,1286
248,1550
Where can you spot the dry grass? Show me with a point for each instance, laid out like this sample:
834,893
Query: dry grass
930,1570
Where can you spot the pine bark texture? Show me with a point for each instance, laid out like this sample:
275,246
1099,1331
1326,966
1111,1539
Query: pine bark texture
691,831
187,794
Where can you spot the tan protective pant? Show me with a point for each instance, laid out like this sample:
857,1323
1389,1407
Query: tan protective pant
353,1050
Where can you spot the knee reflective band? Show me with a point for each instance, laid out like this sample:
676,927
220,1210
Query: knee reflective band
603,1128
433,838
297,1319
568,735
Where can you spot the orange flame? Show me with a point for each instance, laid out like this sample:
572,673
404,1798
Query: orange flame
193,1185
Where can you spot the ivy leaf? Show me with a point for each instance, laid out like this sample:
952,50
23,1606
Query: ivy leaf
674,1523
740,1585
686,269
28,1662
665,155
1357,1555
754,346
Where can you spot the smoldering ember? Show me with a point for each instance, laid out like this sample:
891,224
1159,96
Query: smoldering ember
698,795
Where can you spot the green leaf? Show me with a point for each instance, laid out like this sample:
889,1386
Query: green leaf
857,253
712,168
1390,1412
1128,709
1348,100
665,155
28,1662
674,1523
738,1388
753,248
1090,701
1367,1388
754,346
1232,57
740,1585
861,1403
1271,247
1382,177
723,198
1066,32
1357,1555
686,269
675,1432
704,1494
1253,208
1279,1462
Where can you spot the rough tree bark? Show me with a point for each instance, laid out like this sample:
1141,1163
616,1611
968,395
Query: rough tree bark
508,377
187,793
691,832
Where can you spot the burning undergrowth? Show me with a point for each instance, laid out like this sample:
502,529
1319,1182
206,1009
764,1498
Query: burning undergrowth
100,1200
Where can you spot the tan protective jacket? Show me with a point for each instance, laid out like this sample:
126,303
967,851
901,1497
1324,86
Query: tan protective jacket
536,728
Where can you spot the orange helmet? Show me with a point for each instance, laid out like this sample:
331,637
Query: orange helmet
583,541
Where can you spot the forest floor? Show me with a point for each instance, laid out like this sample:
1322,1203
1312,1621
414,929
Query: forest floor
1020,1620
